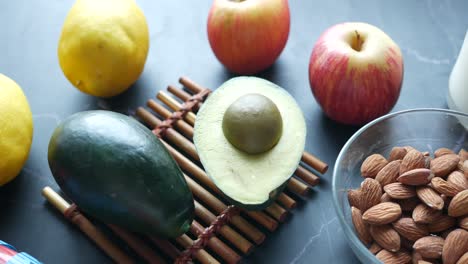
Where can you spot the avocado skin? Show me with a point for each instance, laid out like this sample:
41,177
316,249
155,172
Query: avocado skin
258,207
116,170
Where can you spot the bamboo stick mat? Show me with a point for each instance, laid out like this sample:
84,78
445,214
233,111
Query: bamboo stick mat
220,233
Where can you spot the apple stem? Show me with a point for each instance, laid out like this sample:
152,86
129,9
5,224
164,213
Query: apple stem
358,43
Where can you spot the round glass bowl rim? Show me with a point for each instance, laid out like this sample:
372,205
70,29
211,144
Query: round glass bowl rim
349,232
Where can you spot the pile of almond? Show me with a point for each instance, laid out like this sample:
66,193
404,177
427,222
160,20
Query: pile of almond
413,208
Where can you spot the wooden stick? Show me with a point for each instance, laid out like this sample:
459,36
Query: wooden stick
218,246
237,240
201,255
172,135
307,176
191,85
263,219
137,245
226,231
181,125
294,185
87,227
182,95
174,105
287,201
166,247
314,162
307,158
278,212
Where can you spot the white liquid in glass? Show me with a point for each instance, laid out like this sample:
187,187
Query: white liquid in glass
457,98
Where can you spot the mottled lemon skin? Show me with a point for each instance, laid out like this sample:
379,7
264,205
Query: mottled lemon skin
16,129
103,46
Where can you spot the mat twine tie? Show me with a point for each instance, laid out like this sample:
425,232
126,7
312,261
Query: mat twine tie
224,218
186,107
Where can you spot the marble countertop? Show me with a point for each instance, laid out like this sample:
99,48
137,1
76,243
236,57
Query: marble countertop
429,33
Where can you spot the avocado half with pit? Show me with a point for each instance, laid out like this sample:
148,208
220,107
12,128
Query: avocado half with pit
250,136
117,171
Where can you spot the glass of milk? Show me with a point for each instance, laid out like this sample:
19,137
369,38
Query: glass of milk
457,98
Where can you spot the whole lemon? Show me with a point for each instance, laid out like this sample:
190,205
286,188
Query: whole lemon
16,129
103,46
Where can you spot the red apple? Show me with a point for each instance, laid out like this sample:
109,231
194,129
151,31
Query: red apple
247,36
355,72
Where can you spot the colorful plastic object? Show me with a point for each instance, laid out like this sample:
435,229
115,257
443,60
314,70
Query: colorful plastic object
9,255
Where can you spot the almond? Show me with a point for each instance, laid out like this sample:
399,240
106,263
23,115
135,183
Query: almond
442,151
386,237
388,257
375,248
457,178
362,229
408,229
459,204
408,204
441,223
463,259
421,176
389,173
354,198
463,155
423,214
430,197
424,262
385,198
456,244
465,168
416,257
409,148
427,162
429,246
372,165
444,187
444,165
412,160
371,192
397,153
383,213
463,222
398,190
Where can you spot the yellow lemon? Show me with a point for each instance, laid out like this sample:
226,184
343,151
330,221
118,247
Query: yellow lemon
16,129
103,46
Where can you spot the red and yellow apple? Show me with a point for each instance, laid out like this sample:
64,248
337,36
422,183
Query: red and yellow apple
247,36
355,72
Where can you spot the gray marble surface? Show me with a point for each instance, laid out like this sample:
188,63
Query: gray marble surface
429,34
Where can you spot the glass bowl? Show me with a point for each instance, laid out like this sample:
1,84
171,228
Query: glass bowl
424,129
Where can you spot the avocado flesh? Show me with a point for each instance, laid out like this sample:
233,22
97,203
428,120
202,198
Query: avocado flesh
116,170
248,179
252,123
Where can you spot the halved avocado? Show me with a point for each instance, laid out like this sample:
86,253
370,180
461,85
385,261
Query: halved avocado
251,157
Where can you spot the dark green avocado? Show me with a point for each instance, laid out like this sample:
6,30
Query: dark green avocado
116,170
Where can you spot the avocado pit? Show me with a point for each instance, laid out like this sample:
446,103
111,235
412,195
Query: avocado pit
253,123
